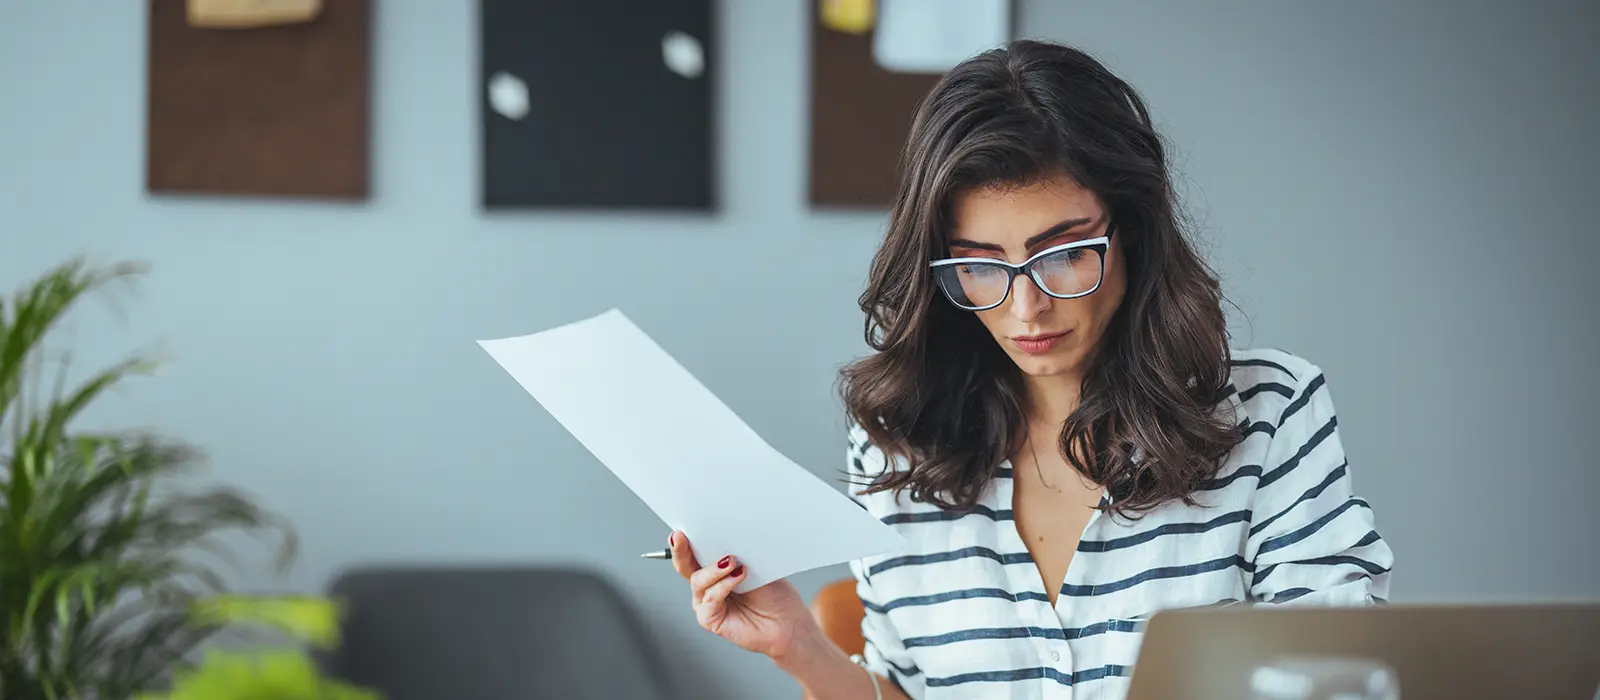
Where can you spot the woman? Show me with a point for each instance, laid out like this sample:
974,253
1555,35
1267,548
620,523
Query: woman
1053,418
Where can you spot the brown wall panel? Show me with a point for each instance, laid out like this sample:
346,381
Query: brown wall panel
860,116
274,111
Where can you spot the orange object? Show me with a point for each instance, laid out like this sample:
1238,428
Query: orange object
839,611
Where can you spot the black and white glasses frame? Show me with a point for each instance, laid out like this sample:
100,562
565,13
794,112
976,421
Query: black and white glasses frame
1097,245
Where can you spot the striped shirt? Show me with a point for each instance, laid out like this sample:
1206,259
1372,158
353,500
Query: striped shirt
962,613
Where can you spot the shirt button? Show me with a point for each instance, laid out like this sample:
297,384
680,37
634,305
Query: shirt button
1055,656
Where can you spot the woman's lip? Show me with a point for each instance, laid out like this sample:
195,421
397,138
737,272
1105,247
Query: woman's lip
1037,344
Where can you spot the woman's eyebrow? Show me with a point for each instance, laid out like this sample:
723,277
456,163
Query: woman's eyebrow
964,243
1032,242
1056,230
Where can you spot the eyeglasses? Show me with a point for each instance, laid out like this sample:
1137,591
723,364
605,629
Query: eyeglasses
1065,271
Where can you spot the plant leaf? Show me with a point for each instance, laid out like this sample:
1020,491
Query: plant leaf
101,559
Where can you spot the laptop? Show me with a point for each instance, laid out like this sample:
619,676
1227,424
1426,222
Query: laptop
1520,652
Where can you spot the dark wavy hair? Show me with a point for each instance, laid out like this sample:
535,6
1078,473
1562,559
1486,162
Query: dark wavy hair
939,392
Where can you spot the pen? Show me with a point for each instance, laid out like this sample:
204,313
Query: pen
663,554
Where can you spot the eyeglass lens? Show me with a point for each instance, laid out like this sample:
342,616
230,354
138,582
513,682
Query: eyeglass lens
979,285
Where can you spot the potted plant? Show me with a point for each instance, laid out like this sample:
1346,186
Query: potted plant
105,589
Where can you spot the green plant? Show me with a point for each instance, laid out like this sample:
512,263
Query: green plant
278,674
102,550
272,673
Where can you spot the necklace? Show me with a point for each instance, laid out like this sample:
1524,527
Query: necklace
1036,468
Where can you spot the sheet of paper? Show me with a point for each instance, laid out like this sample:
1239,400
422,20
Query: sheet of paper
685,453
932,36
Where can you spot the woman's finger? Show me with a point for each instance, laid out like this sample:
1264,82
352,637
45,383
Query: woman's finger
718,593
682,554
709,615
705,578
711,608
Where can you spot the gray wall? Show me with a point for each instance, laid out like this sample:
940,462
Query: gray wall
1399,191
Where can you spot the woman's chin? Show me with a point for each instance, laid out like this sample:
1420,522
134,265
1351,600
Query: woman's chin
1052,365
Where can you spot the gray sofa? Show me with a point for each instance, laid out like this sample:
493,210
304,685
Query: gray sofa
493,634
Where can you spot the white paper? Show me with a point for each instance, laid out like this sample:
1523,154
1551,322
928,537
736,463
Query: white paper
932,36
685,453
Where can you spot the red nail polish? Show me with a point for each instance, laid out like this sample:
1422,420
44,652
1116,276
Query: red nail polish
738,571
724,562
672,540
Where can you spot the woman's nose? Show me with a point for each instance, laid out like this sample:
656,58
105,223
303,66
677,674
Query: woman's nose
1027,301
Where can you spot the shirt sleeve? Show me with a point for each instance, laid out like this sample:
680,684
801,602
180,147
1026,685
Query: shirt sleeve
1311,539
884,653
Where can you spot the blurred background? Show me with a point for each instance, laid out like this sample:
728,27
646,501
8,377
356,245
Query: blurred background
1400,192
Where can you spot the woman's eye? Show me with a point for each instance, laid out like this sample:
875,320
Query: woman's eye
1066,257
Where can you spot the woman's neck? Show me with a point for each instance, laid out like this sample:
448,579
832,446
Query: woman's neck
1052,399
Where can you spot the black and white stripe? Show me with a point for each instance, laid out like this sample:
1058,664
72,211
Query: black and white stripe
963,612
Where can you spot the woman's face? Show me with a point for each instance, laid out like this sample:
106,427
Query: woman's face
1044,335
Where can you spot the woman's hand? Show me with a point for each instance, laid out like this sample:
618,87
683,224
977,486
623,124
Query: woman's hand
768,620
773,620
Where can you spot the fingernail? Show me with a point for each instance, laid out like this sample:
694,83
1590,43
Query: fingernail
737,571
672,540
724,562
